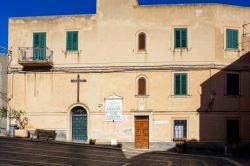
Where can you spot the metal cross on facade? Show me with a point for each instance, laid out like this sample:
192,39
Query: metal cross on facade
78,81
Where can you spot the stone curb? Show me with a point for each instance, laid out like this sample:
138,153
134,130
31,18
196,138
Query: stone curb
62,143
205,156
184,154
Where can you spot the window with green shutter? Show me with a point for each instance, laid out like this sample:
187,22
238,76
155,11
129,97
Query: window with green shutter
232,39
180,38
180,84
72,41
39,46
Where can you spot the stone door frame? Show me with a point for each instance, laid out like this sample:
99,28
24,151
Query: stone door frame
69,119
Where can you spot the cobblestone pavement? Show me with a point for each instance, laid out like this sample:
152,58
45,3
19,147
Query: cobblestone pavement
26,152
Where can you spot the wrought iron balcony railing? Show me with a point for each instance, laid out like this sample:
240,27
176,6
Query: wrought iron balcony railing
29,56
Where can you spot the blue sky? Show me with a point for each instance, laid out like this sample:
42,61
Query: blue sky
20,8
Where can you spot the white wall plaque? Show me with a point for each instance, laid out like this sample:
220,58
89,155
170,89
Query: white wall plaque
141,106
113,108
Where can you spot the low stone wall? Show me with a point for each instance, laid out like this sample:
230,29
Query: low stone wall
60,134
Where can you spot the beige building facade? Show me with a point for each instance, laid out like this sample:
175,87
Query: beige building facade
138,74
3,87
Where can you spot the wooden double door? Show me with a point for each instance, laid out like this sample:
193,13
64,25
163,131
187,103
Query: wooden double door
141,132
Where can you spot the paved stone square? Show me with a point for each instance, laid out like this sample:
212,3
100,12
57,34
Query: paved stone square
30,152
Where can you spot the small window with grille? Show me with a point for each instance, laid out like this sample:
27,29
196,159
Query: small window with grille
180,128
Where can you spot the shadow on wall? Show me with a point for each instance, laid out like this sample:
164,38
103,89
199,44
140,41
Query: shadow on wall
225,103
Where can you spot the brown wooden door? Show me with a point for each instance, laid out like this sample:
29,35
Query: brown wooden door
141,132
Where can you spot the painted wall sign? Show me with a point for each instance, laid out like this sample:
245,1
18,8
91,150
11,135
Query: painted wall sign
113,107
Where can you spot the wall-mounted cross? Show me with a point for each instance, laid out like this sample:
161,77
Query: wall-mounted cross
78,81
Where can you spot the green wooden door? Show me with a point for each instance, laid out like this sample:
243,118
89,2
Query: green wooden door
39,46
79,124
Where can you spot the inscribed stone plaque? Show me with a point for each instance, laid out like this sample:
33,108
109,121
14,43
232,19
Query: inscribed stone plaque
113,107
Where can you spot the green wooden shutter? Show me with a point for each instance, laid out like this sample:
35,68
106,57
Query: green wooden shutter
68,41
184,84
35,45
72,41
184,38
177,84
180,84
232,39
229,38
75,40
39,46
42,40
177,38
235,41
180,38
42,46
35,40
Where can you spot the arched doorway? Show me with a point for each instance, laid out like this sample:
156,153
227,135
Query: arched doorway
79,124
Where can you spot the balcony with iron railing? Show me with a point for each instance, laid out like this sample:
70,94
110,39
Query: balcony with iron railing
35,57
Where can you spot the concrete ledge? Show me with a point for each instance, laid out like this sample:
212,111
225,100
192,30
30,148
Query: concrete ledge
153,146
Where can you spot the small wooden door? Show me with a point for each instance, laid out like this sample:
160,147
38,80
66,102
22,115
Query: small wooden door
141,132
